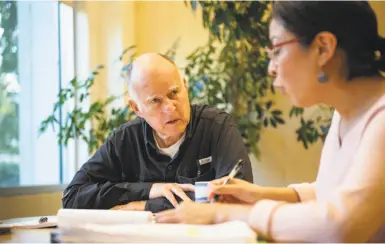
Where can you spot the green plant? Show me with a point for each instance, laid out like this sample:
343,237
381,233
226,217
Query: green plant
9,107
314,128
104,120
231,71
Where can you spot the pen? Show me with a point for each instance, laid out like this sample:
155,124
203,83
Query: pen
233,173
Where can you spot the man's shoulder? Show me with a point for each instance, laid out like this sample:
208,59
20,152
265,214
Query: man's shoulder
131,127
212,114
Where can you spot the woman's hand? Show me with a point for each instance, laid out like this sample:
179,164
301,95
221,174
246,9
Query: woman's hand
235,191
203,213
190,213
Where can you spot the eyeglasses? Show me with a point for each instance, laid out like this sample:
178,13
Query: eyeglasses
273,51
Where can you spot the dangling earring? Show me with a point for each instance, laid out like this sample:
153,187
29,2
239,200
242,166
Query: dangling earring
323,77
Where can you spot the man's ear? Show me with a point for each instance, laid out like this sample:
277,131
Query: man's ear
326,44
134,107
185,83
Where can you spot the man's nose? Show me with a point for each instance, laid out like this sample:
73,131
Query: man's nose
169,105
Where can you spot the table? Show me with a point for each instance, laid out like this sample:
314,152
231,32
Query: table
27,236
35,236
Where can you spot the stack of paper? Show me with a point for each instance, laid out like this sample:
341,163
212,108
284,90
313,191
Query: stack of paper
69,218
112,226
230,232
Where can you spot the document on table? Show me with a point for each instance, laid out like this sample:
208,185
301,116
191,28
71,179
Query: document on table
68,218
230,232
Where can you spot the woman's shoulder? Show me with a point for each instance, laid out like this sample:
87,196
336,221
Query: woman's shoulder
376,112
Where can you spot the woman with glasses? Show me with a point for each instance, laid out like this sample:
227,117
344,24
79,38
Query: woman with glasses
322,53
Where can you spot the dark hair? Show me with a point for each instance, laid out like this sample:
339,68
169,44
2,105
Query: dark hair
353,23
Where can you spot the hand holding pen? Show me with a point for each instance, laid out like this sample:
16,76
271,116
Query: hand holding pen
234,172
233,190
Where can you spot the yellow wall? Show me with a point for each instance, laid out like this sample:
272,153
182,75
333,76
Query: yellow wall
154,26
379,8
30,205
160,24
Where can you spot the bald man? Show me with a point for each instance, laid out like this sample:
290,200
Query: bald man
152,162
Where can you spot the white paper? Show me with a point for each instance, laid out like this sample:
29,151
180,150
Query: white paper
68,218
230,232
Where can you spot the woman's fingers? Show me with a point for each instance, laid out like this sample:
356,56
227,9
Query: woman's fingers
226,189
168,216
218,181
232,181
233,190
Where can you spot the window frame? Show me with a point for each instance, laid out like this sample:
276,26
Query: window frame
13,191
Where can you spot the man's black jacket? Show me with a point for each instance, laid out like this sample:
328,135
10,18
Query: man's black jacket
128,163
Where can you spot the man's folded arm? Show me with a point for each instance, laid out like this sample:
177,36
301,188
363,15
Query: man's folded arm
98,184
230,149
102,195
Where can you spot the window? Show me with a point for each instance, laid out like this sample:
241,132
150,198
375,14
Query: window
36,59
9,88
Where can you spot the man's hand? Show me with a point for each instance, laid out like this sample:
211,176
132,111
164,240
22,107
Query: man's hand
131,206
168,190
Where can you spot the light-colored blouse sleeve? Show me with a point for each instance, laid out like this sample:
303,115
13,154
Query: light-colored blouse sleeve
305,191
353,213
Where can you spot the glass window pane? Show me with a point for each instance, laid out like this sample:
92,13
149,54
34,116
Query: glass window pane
29,83
9,96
